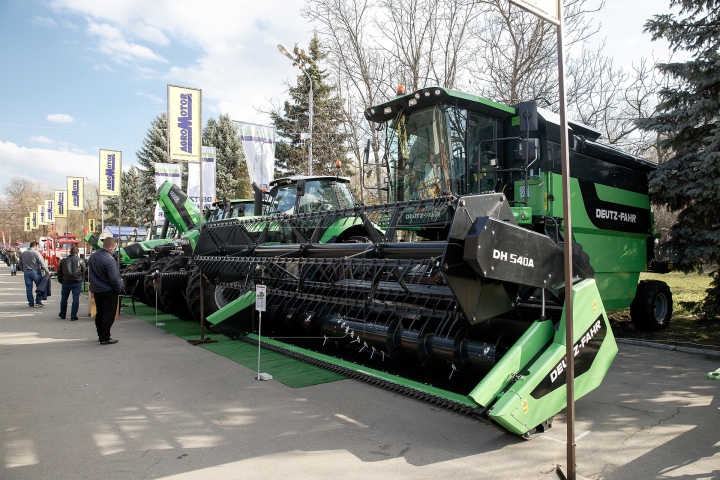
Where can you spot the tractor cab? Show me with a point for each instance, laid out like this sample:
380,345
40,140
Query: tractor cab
223,209
302,194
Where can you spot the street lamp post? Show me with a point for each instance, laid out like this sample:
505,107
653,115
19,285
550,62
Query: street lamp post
285,52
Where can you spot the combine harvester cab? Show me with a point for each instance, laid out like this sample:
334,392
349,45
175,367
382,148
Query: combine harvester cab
453,290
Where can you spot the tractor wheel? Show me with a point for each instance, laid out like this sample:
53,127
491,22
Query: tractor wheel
137,288
652,308
173,299
215,297
149,284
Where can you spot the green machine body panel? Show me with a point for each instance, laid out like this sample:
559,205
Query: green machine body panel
178,207
539,390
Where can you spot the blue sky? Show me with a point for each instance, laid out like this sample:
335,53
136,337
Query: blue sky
91,74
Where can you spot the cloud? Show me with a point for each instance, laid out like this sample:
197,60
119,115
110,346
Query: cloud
229,52
113,44
59,118
43,22
103,66
45,164
154,98
41,139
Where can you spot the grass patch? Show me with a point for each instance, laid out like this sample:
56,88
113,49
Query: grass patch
685,326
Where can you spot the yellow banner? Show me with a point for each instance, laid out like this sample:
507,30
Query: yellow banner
184,123
26,224
33,221
41,214
76,194
50,211
110,172
92,225
60,204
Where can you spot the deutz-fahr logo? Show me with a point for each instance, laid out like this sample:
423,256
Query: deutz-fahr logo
614,215
562,365
512,258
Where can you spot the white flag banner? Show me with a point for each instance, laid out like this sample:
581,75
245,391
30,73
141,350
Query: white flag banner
163,173
209,155
259,146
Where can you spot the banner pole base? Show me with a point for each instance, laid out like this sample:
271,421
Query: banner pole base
202,341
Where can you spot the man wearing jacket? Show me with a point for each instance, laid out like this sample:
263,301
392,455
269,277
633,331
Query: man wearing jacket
33,266
105,285
70,274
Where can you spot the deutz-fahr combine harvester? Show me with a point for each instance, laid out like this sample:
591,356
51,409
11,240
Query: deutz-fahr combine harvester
453,290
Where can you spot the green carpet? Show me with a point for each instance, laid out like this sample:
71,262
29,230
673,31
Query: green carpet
285,370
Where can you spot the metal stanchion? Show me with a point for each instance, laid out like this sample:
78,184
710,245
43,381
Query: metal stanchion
202,339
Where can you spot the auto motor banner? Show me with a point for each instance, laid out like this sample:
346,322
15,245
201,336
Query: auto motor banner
49,211
184,123
60,204
163,173
33,221
27,225
41,214
76,192
209,155
259,146
110,172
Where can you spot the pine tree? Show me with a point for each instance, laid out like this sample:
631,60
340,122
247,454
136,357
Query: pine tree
688,119
330,141
133,211
231,177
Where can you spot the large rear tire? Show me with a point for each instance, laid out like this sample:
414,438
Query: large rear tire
137,288
652,308
173,299
215,297
149,284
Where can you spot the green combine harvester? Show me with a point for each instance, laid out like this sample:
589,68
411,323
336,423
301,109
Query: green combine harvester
453,290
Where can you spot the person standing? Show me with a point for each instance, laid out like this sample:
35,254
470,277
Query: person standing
70,274
33,266
105,285
12,258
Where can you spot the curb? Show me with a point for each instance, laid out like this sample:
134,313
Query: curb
697,351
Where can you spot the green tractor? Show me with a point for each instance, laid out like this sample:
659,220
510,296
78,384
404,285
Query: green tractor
453,290
287,196
154,253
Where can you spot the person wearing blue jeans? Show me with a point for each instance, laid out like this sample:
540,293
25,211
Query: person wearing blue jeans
70,275
33,265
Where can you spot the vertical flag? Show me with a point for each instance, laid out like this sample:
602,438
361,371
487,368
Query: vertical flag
163,173
92,225
27,224
41,214
50,211
33,221
184,123
209,154
259,146
110,172
60,205
76,192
